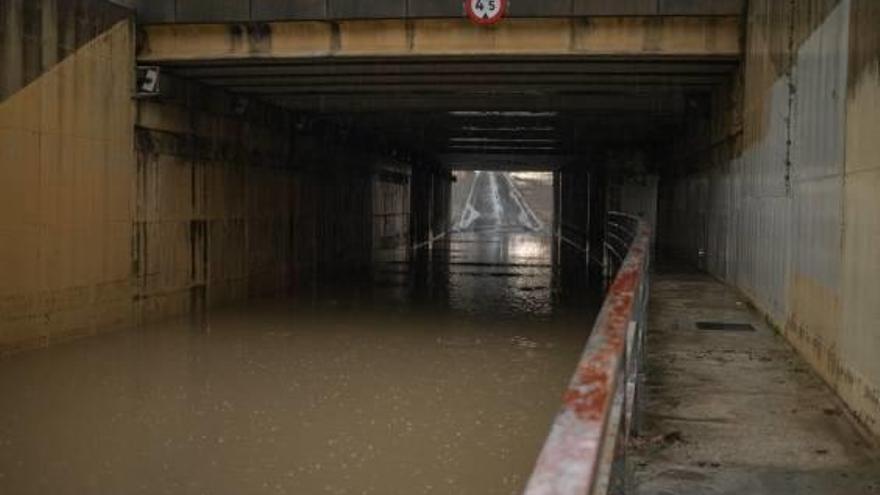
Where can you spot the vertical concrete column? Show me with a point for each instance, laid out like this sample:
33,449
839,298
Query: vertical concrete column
421,203
596,221
442,202
573,206
573,189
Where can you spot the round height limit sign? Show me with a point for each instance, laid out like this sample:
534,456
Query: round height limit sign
485,11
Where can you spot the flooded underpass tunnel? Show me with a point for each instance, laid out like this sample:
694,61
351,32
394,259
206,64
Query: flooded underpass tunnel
404,247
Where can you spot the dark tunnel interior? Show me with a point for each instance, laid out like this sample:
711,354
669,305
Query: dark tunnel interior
463,247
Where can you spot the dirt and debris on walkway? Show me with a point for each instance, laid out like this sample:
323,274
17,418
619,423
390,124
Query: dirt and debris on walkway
737,411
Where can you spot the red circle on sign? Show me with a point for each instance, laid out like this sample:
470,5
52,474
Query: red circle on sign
485,12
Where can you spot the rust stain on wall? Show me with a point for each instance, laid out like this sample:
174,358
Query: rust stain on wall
814,309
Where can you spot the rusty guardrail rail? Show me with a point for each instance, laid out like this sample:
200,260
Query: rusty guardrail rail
584,453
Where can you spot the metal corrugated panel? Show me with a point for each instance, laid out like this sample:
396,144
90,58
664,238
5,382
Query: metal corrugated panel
860,276
719,222
155,11
421,8
819,78
268,10
615,7
760,209
129,4
374,9
739,215
772,218
818,148
701,7
540,8
212,10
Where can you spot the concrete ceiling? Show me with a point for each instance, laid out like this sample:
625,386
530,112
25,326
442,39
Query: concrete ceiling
483,112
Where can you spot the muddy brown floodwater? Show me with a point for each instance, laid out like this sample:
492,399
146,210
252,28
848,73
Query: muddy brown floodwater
446,382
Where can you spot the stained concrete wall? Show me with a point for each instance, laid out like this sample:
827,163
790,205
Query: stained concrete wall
66,195
114,212
781,198
215,201
235,201
851,360
391,207
431,200
574,213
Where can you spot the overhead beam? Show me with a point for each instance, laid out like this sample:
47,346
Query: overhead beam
702,37
494,66
479,90
504,161
463,80
642,106
245,11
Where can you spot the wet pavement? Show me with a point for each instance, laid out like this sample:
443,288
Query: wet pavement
444,379
494,201
738,412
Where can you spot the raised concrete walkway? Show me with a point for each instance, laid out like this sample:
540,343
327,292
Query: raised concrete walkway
738,412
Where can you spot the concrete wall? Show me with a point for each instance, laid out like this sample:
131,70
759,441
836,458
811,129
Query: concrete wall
431,201
66,196
235,201
115,212
215,202
391,207
781,198
851,360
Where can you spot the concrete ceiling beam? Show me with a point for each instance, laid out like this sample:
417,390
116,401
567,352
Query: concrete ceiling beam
439,103
336,67
703,37
464,80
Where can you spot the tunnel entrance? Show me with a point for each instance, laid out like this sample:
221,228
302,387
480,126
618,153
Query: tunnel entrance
499,255
389,250
502,201
431,241
329,246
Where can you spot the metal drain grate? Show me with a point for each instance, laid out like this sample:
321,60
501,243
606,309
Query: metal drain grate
725,327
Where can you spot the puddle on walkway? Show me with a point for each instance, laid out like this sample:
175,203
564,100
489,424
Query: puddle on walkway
450,390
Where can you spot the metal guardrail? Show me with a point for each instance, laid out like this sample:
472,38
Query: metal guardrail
620,232
585,451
